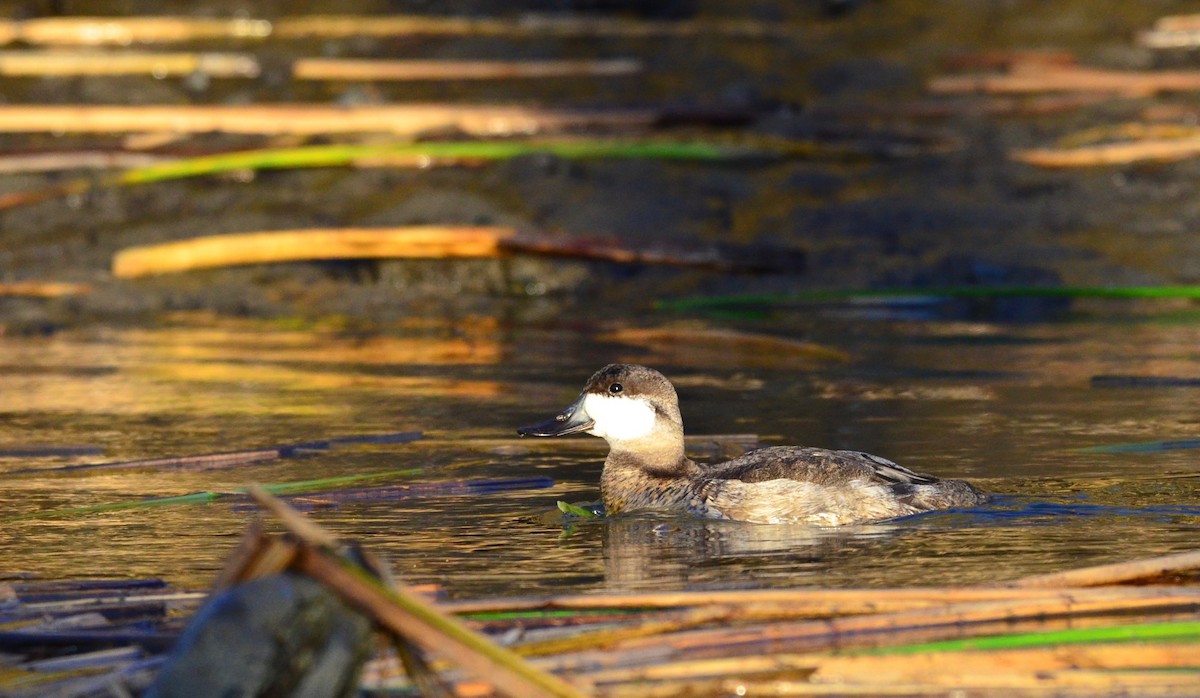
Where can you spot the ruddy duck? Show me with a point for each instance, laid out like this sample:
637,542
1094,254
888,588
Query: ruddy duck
636,410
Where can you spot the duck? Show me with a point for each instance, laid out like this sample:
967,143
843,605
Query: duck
636,410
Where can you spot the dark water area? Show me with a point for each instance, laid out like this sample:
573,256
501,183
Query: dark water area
1011,407
893,187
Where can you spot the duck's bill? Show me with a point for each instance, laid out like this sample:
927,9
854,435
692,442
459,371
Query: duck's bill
571,420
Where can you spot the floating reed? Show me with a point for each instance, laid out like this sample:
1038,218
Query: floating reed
311,119
91,63
307,245
77,160
1117,573
1149,150
124,31
105,63
1026,78
397,70
892,295
1173,32
415,242
43,289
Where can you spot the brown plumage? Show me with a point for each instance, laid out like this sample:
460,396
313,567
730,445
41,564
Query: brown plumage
636,410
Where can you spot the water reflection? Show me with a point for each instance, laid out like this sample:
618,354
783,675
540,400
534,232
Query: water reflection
646,552
1011,407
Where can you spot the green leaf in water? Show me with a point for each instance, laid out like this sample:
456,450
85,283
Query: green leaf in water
576,510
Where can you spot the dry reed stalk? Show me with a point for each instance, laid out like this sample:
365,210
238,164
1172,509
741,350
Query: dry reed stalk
1116,573
341,26
1042,78
310,119
416,620
250,547
398,70
932,668
403,612
801,602
1156,150
1080,683
203,461
309,245
1178,23
952,620
123,31
964,668
42,289
76,160
55,63
1009,59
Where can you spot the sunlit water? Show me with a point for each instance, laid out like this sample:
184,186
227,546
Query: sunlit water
1008,406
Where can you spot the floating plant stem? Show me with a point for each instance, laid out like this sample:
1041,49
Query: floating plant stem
781,300
1142,632
288,488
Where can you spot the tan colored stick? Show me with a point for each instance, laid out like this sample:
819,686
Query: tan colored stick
347,69
939,668
308,245
952,620
334,26
124,31
1116,573
77,160
1071,79
308,119
1156,150
43,289
93,63
1068,683
803,602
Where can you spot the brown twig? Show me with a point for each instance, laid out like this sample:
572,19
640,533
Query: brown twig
309,245
1043,78
351,69
56,63
1157,150
1116,573
310,119
43,289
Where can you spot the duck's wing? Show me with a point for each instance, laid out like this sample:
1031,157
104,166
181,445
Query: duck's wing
819,466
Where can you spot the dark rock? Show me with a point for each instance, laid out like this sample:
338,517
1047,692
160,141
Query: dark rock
284,635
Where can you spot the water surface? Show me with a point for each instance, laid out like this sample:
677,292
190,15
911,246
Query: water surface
1009,406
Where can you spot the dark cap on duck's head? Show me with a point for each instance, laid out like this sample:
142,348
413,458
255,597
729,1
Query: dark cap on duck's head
631,380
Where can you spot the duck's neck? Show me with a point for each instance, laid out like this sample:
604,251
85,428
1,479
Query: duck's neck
655,457
646,479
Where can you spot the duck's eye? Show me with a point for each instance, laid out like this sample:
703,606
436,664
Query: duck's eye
615,388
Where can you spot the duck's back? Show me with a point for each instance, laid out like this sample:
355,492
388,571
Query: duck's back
815,485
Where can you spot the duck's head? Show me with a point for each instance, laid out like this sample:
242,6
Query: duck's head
624,404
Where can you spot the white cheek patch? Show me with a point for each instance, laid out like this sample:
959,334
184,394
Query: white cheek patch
619,418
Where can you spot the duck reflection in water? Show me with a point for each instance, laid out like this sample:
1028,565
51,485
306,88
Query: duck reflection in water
636,410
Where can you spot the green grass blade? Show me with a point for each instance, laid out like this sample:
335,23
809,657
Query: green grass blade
1185,631
306,486
346,154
